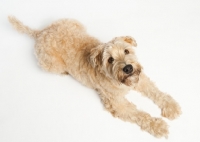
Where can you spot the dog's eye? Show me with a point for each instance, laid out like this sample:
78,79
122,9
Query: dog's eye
126,51
110,60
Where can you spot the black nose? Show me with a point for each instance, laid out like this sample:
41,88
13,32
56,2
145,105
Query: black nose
128,69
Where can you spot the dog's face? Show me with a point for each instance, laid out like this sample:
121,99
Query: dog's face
117,60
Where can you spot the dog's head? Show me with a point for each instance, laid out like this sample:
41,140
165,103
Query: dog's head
117,60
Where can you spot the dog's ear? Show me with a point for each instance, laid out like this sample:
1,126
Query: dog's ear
95,56
127,39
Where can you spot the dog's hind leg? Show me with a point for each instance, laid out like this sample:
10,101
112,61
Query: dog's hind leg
170,108
123,109
50,60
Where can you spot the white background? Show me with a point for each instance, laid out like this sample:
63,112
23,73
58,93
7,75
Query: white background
36,106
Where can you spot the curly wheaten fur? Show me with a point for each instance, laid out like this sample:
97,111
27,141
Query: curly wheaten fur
111,68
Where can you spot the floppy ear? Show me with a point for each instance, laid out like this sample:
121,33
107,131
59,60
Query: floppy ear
95,56
127,39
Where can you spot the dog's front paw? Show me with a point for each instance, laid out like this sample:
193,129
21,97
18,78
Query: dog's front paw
171,109
157,127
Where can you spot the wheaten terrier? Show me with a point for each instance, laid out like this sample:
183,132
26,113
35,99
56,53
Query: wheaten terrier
112,69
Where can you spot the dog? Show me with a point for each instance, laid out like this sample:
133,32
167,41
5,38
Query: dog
111,68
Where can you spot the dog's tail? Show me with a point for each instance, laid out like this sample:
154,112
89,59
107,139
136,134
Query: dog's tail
22,28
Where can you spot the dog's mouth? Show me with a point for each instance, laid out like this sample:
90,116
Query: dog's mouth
131,78
126,77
